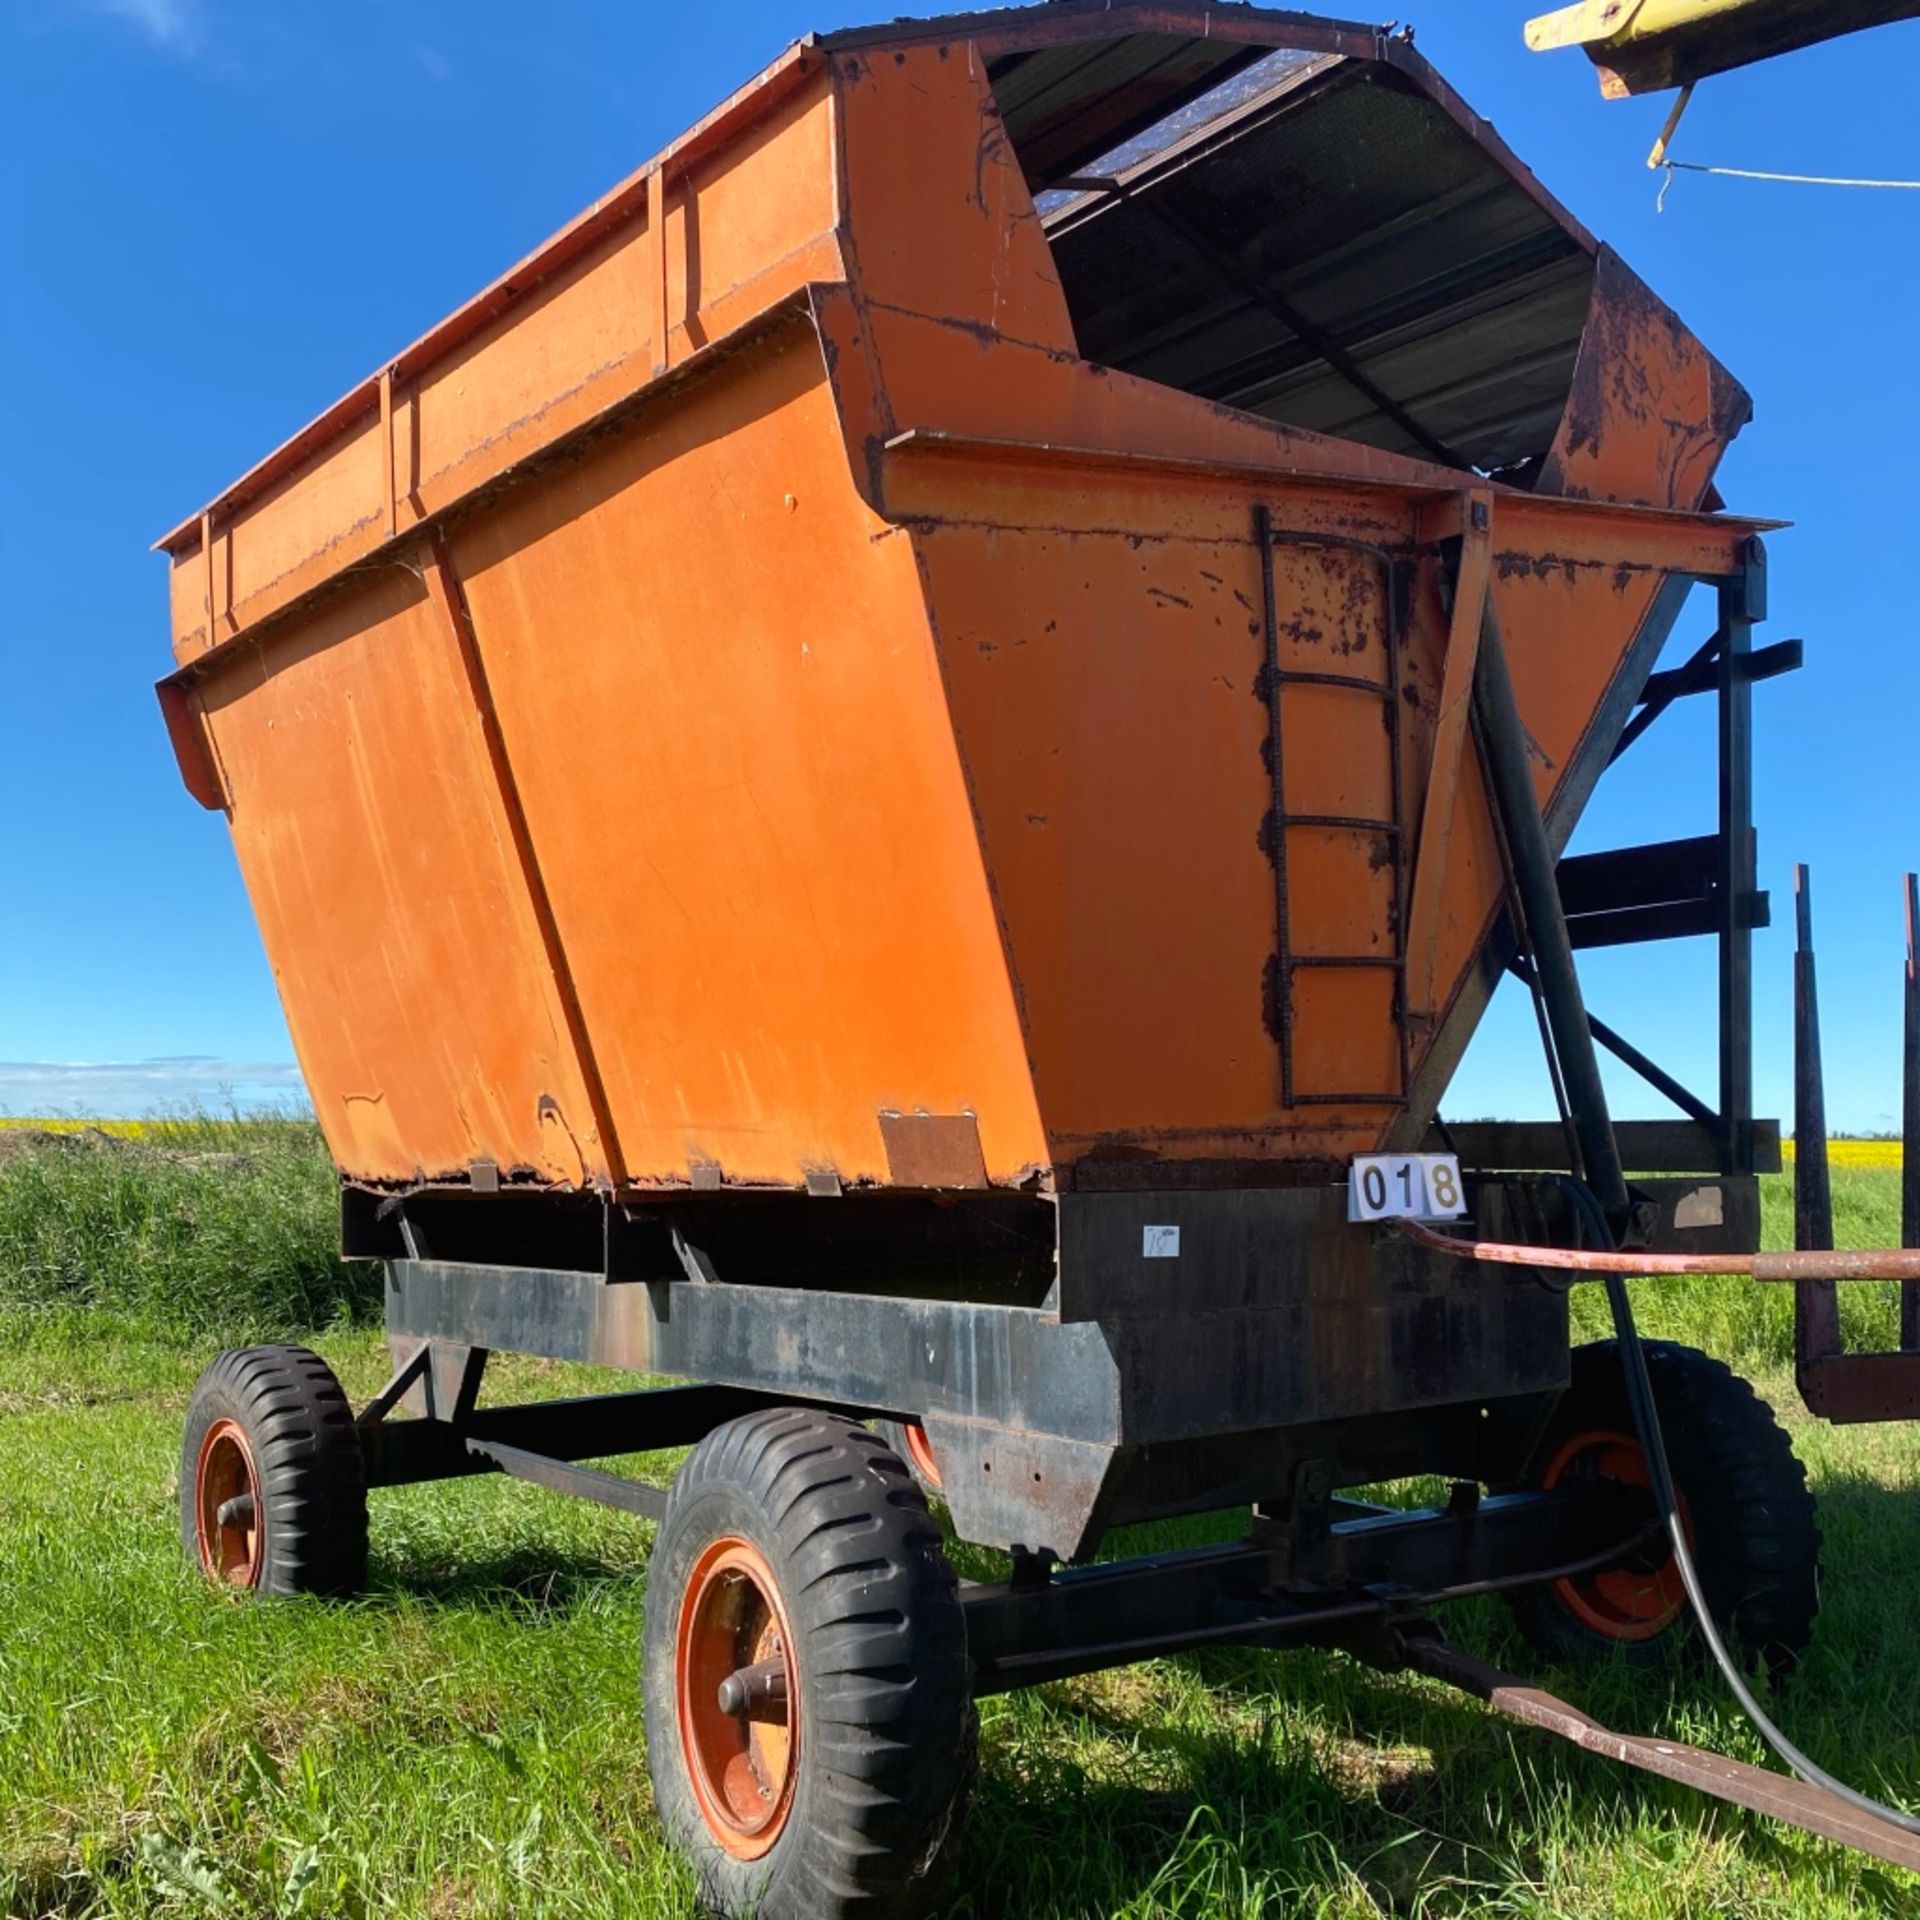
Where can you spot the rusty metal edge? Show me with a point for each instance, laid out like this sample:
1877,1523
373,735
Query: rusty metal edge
1427,481
1861,1389
1028,29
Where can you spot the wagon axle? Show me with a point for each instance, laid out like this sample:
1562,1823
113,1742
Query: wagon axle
758,1692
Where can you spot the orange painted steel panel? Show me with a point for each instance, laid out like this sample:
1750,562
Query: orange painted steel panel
1084,670
741,783
937,381
990,266
395,914
747,227
746,684
1102,680
1651,410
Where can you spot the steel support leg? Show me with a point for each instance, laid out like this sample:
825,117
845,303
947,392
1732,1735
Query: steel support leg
1910,1120
1517,806
1743,603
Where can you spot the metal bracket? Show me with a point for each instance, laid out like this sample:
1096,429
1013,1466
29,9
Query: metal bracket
1845,1388
412,1368
697,1265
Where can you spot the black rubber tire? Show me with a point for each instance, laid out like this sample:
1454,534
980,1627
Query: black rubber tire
886,1718
313,1494
1755,1534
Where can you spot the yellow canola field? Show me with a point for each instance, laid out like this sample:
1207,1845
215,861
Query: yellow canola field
1856,1153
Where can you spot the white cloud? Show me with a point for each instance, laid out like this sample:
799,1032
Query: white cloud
131,1089
173,24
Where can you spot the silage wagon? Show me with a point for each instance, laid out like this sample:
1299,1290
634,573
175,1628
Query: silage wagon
889,781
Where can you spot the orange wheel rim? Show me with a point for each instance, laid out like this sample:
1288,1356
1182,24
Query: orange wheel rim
227,1513
743,1767
920,1452
1630,1603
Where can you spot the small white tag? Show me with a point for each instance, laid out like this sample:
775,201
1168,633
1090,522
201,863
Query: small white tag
1703,1207
1160,1243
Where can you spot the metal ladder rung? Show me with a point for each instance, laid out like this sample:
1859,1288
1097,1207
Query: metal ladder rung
1344,822
1387,691
1353,682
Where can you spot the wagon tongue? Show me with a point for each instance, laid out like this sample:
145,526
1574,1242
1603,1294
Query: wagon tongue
1799,1803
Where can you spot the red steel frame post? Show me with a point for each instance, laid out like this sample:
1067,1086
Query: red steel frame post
1910,1120
1816,1307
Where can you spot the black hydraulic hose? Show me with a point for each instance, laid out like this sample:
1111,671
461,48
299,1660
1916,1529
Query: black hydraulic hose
1646,1421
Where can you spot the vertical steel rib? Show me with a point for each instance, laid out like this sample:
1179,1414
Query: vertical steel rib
1398,837
1283,949
450,596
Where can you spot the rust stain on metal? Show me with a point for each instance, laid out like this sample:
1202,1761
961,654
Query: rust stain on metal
935,1150
1650,410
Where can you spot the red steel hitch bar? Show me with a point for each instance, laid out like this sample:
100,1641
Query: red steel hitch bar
1779,1796
1881,1263
1798,1802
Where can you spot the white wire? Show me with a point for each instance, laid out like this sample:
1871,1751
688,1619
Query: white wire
1794,179
1671,167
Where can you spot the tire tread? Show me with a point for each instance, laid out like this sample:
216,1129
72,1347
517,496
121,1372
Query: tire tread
882,1654
313,1480
1756,1535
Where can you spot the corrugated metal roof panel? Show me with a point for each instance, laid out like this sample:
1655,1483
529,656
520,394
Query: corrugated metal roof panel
1067,105
1337,252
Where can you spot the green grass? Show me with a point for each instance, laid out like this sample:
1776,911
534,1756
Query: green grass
196,1228
466,1739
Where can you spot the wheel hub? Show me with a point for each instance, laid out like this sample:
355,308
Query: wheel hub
1641,1598
737,1697
227,1507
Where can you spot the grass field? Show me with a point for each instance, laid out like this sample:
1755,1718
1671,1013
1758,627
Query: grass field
466,1739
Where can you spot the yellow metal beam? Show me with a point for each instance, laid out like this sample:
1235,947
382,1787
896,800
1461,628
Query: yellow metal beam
1646,46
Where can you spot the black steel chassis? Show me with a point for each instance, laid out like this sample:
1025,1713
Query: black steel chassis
1314,1569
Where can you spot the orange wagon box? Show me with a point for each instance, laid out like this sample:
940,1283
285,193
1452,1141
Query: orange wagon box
864,779
782,685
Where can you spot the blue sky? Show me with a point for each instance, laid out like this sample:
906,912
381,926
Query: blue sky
219,214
